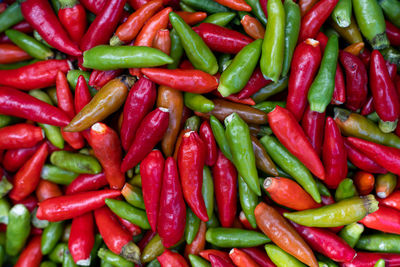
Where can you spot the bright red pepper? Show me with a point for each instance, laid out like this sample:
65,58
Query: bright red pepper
20,135
11,53
393,200
27,178
225,184
393,34
73,17
162,41
136,4
82,94
259,256
172,213
241,258
98,78
339,93
140,101
40,15
368,107
30,202
217,261
31,256
221,39
367,259
207,136
151,172
46,189
385,219
149,133
171,259
133,229
94,6
304,66
70,206
86,182
222,254
255,83
313,125
291,135
103,26
193,81
81,238
199,242
23,26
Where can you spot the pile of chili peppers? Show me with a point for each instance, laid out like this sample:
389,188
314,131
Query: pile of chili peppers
249,133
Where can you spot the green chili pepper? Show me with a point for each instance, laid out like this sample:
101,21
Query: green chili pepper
257,11
4,210
197,261
207,190
105,264
66,233
235,237
340,213
133,195
290,164
224,60
154,263
5,186
57,254
113,259
152,250
208,6
176,49
105,57
192,123
51,235
30,45
219,134
213,221
391,8
127,212
37,223
185,7
268,106
68,261
385,184
321,90
18,229
281,258
222,18
270,90
238,73
292,29
392,55
11,16
57,175
48,264
342,13
196,50
346,189
6,120
136,180
248,201
380,263
192,226
198,102
274,41
326,260
238,135
38,37
370,19
73,75
75,162
322,189
380,243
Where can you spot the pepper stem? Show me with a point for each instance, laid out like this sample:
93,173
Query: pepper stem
387,126
129,81
115,41
342,114
380,41
67,3
370,203
131,252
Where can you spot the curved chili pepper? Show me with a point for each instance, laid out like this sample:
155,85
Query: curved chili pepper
94,6
67,207
339,93
86,182
46,189
171,259
253,27
361,161
259,256
172,213
222,254
99,78
393,34
12,53
385,219
241,258
313,125
385,184
32,254
368,107
207,136
263,160
20,136
40,15
72,16
393,200
305,63
369,259
192,18
82,94
81,239
199,242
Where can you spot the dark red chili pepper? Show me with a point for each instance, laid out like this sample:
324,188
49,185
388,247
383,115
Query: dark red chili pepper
392,70
339,93
32,254
191,159
255,83
312,21
136,4
365,56
103,26
27,178
94,6
305,64
217,261
313,125
207,136
367,259
222,254
172,213
72,16
70,206
393,34
29,202
140,101
149,133
259,256
82,94
385,219
81,238
171,259
20,136
41,17
13,159
225,184
86,182
133,229
368,107
221,39
99,78
151,172
23,26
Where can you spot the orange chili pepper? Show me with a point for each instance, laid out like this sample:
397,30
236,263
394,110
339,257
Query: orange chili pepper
355,48
253,27
11,53
46,189
241,258
364,182
192,18
243,220
162,41
306,5
239,5
199,242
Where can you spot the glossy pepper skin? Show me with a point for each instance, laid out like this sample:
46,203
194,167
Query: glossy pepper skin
393,200
263,160
207,136
46,189
32,254
393,34
172,259
369,259
20,136
385,219
313,124
149,133
81,239
72,16
12,53
361,161
86,182
253,85
172,213
252,27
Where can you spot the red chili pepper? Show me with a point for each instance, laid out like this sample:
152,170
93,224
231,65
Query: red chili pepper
241,258
40,15
140,101
339,93
29,202
133,229
393,200
146,239
81,238
367,259
82,94
151,172
193,81
13,159
387,157
305,64
313,125
70,206
259,256
291,135
312,21
222,254
162,41
199,242
31,256
217,261
149,133
365,56
234,98
11,53
94,6
364,182
385,219
103,26
86,182
393,34
207,136
225,183
172,213
20,136
255,83
23,26
34,76
73,17
221,39
27,178
46,189
362,161
99,78
264,4
171,259
392,70
368,107
192,18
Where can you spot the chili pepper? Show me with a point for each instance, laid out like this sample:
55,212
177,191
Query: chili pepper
50,237
153,249
346,189
191,124
345,212
317,97
20,135
162,41
108,257
379,243
117,239
86,182
393,33
386,102
99,78
234,237
222,254
241,258
18,229
176,50
364,182
217,261
369,259
263,160
46,189
198,102
58,253
239,5
221,18
385,184
220,138
207,136
198,243
258,256
172,213
385,219
57,175
169,259
313,124
128,212
341,14
72,16
390,9
280,257
351,233
192,17
82,94
238,73
270,90
306,59
12,54
207,191
10,16
39,14
192,226
132,228
282,234
392,200
81,239
75,162
351,33
70,206
252,27
31,255
355,49
339,92
248,202
207,6
198,261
